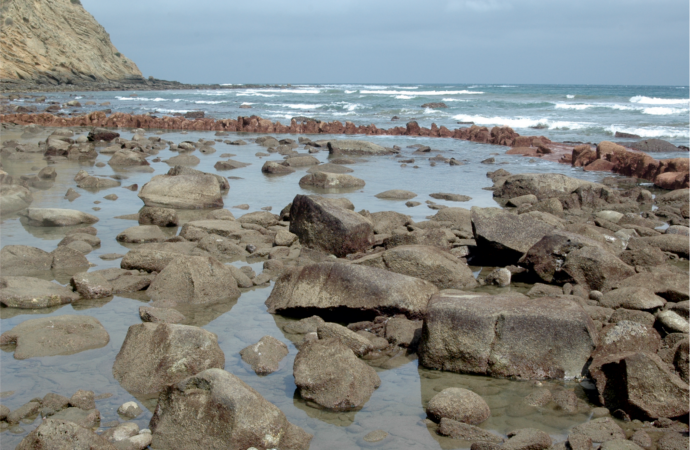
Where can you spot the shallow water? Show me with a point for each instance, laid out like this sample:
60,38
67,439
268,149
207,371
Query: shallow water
396,407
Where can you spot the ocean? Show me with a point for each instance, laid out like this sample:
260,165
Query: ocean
580,113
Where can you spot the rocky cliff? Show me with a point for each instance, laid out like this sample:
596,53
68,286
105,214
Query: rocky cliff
57,42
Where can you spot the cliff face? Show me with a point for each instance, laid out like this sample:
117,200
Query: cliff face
57,41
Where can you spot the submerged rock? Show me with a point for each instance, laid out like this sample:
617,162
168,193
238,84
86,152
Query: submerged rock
14,198
55,217
226,413
33,293
60,335
156,355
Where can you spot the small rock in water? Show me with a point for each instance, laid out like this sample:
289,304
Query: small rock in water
489,161
243,206
412,204
130,410
111,197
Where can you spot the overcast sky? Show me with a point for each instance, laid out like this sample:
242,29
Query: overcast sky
403,41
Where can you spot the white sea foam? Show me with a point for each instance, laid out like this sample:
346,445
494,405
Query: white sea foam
210,102
404,97
664,111
570,96
295,106
658,101
651,132
247,103
350,92
254,94
454,100
142,99
522,122
418,93
170,111
578,106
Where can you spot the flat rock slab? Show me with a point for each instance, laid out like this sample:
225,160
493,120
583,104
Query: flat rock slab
50,336
367,290
506,336
450,197
33,293
142,234
396,194
55,217
354,147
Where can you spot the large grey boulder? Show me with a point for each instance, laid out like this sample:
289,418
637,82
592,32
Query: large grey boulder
194,280
502,238
543,185
460,219
353,147
60,335
195,190
429,263
365,290
226,413
506,336
54,434
672,243
56,217
33,293
149,260
640,384
330,375
561,257
14,198
323,224
626,336
156,355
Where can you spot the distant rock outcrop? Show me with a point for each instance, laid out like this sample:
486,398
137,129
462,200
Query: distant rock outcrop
57,42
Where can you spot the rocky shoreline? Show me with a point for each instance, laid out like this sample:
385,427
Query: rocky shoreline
77,83
609,157
606,262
